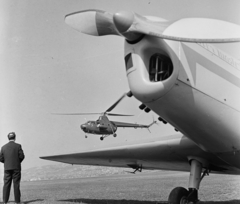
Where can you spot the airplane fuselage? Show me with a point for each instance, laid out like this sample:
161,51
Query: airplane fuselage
200,97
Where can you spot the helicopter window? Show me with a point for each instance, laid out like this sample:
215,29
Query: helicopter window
128,61
160,68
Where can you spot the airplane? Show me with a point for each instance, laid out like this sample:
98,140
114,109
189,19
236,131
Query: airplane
103,126
175,69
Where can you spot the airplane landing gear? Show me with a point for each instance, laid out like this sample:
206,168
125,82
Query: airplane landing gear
101,138
114,135
180,195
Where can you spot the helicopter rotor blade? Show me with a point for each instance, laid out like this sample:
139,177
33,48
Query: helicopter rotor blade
116,103
115,114
111,114
76,113
103,113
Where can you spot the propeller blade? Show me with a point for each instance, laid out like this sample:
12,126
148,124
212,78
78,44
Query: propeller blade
115,104
92,22
197,30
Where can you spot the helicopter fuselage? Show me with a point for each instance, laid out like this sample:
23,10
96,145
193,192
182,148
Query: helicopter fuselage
100,127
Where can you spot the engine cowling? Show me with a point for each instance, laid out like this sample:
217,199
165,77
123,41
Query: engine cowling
152,68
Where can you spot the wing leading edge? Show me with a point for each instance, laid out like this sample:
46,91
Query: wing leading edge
167,153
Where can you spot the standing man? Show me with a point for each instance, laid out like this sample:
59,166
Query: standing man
12,155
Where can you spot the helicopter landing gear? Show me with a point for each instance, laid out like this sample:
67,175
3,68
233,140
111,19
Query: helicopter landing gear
180,195
103,136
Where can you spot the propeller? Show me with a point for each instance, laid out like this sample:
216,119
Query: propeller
97,23
133,27
103,113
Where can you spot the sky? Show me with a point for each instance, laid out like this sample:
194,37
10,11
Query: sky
47,67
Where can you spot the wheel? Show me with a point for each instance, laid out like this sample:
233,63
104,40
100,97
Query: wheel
101,138
85,136
114,135
178,196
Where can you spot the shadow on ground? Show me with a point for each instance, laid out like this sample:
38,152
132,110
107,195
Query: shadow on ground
104,201
26,202
220,202
32,201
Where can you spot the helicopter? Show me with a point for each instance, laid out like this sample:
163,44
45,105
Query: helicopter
105,127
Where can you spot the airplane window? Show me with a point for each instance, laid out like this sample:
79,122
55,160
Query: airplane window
128,61
160,68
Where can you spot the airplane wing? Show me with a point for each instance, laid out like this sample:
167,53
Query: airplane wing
166,153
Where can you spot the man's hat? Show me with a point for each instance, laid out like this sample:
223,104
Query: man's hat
11,136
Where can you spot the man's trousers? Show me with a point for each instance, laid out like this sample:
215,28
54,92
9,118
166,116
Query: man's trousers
9,176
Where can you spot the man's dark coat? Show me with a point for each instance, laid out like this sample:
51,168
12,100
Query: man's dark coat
12,155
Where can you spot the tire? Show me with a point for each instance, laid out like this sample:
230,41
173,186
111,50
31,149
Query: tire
178,196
